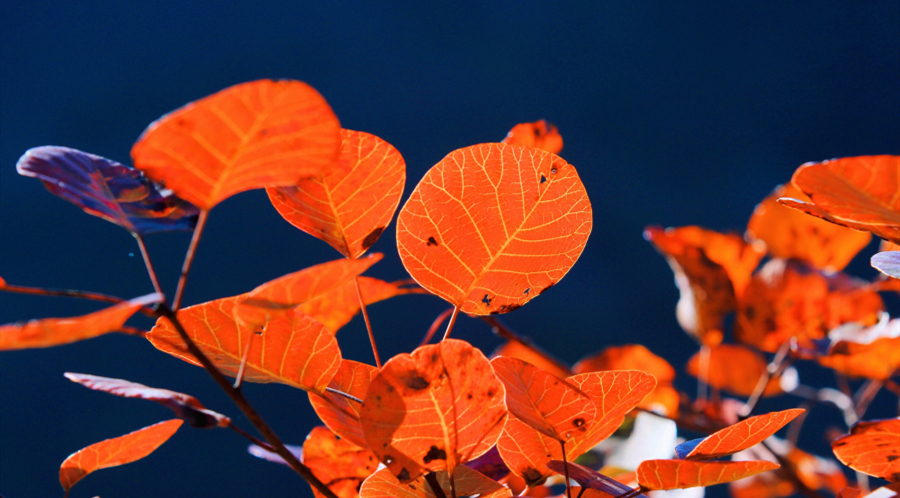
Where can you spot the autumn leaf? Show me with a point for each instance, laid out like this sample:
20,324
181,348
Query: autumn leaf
860,351
291,349
490,464
433,409
736,369
789,233
337,307
114,452
534,355
711,272
467,482
185,407
739,436
858,192
107,189
339,464
872,447
49,332
491,226
591,479
812,471
887,262
350,204
339,413
253,135
678,474
540,134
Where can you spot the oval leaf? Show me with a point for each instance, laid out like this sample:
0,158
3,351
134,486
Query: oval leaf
872,447
253,135
736,369
107,189
349,205
339,464
337,307
678,474
339,413
663,399
291,349
433,409
540,134
468,482
57,331
493,225
114,452
887,262
742,435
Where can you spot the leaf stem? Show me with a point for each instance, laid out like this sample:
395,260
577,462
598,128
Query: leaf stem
431,479
240,374
435,325
365,314
864,396
450,325
342,393
562,444
792,473
148,264
93,296
188,258
772,368
253,439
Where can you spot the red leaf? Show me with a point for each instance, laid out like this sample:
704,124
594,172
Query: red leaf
114,452
468,482
339,464
58,331
677,474
872,447
540,134
337,307
350,204
253,135
340,414
742,435
493,225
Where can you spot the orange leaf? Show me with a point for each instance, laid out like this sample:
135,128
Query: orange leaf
736,369
637,357
114,452
493,225
872,447
340,414
291,349
350,204
468,482
540,134
337,307
433,409
58,331
858,192
789,233
677,474
534,355
879,359
258,134
711,271
742,435
338,463
546,403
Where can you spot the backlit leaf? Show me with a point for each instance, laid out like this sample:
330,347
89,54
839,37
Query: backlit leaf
291,349
340,414
859,192
546,403
468,482
877,360
711,272
872,447
742,435
433,409
339,464
664,397
490,464
107,189
814,472
677,474
185,407
253,135
350,204
534,355
48,332
493,225
540,134
734,368
114,452
590,479
337,307
887,262
789,233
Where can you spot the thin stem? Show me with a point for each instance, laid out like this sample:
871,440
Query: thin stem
431,479
238,398
865,395
342,393
771,369
450,325
500,329
240,374
892,387
148,264
93,296
581,492
365,314
436,324
452,485
253,439
125,329
792,473
188,258
562,444
703,374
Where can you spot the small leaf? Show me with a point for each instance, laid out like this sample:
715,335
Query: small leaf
678,474
114,452
540,134
349,205
887,262
591,479
48,332
340,414
339,464
468,482
185,407
742,435
491,226
107,189
253,135
337,307
872,447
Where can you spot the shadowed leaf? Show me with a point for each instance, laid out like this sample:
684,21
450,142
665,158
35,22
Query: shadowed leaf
468,482
253,135
741,435
590,479
339,464
872,447
677,474
337,307
540,134
493,225
490,464
887,262
340,414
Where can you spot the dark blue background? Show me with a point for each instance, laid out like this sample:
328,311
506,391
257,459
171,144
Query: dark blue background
674,113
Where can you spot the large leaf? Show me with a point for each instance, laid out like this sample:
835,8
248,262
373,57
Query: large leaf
677,474
114,452
433,409
339,413
859,192
340,465
872,447
337,307
545,402
107,189
48,332
467,482
741,435
540,134
491,226
258,134
789,233
350,204
185,406
291,348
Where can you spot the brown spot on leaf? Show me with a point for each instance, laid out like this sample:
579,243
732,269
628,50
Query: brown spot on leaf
431,242
578,422
434,453
532,476
403,475
372,238
891,458
416,382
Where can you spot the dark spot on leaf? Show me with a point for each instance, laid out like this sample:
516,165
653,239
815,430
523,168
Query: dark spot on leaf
545,288
415,382
435,357
750,312
543,178
578,422
513,307
372,238
553,171
264,132
891,458
527,291
532,476
491,393
411,487
486,300
431,242
469,396
494,312
403,475
434,453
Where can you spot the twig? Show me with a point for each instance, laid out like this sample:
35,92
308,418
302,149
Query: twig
703,374
865,395
450,325
188,258
500,329
792,474
771,369
148,264
240,374
431,479
93,296
365,314
342,393
435,325
253,439
562,444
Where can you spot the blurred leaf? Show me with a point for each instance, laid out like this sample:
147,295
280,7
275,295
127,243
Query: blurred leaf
534,355
540,134
736,369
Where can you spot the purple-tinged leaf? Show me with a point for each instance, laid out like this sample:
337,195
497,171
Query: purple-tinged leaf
589,478
685,448
490,464
107,189
260,452
887,262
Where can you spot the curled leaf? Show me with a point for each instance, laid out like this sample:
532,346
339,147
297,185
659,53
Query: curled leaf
540,134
